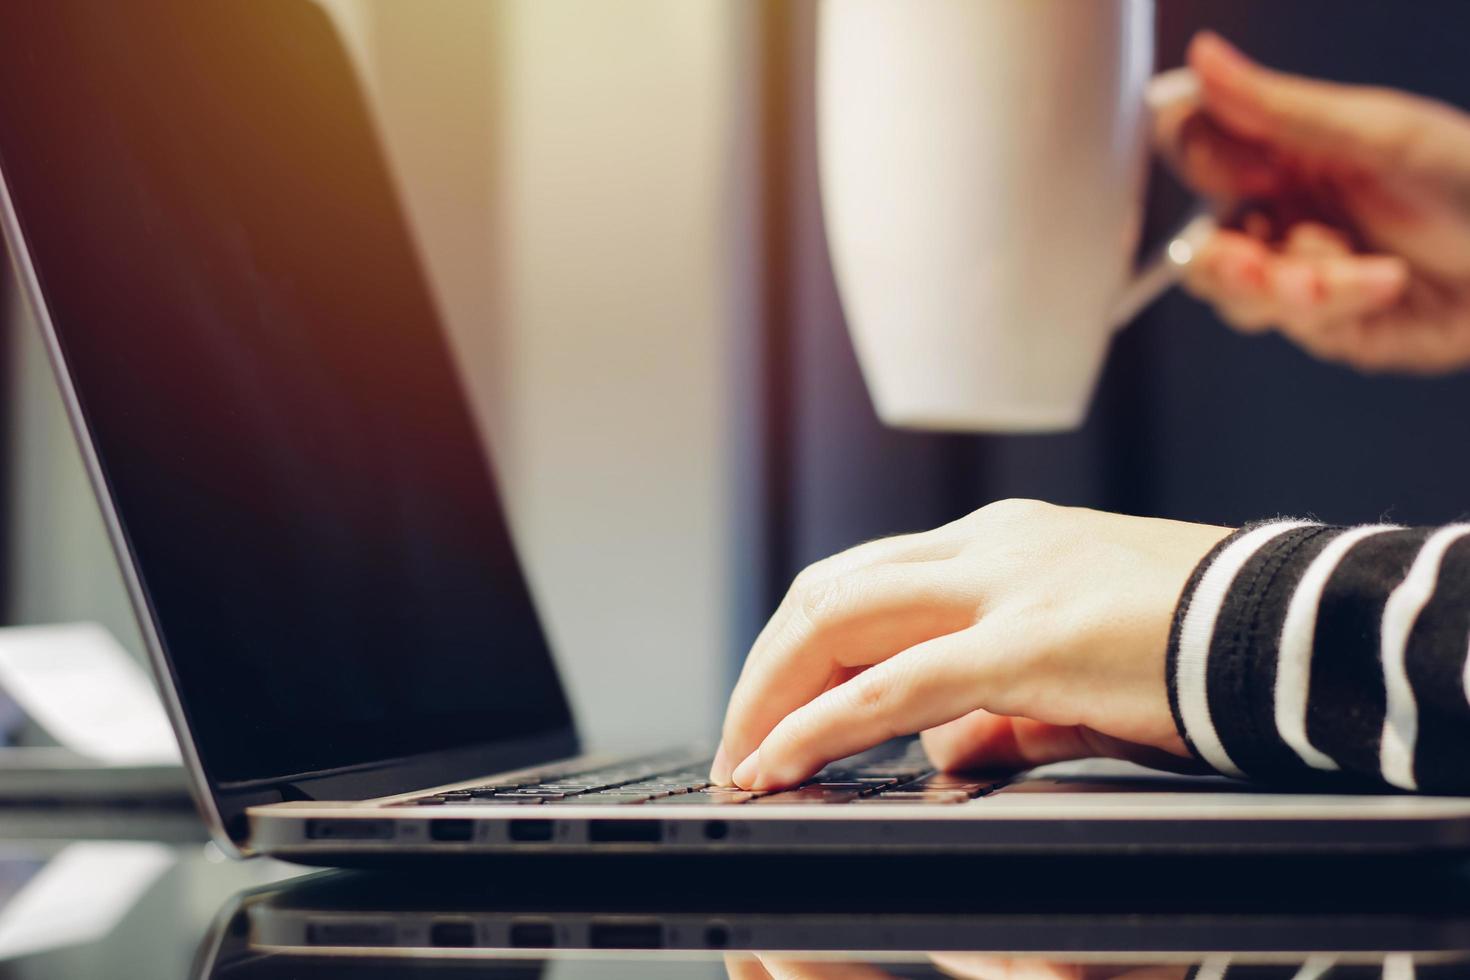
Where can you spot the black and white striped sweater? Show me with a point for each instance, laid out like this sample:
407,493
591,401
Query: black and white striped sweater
1301,650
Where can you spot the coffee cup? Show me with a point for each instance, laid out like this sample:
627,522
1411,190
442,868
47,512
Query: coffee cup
982,168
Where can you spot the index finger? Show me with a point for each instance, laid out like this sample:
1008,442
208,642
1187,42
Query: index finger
932,683
850,621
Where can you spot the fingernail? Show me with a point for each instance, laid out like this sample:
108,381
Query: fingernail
748,772
719,770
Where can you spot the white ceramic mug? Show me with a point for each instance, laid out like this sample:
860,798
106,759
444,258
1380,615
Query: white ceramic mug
982,168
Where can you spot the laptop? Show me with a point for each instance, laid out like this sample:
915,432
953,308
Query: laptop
200,215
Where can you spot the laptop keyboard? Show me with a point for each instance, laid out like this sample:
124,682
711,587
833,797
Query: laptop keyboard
885,775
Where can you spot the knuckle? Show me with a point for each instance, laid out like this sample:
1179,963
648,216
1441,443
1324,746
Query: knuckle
804,578
1014,509
1406,127
818,597
877,697
868,696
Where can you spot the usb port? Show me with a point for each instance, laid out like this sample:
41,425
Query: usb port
349,830
349,934
624,934
454,934
533,934
451,830
625,832
530,830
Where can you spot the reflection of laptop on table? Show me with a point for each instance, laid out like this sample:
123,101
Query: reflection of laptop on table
285,458
340,924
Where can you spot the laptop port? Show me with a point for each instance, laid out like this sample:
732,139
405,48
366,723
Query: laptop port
349,830
454,934
625,832
717,935
530,830
350,934
452,830
626,935
532,935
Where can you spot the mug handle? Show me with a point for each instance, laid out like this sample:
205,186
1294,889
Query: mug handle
1167,266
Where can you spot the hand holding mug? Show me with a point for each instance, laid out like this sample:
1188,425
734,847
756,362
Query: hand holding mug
1356,237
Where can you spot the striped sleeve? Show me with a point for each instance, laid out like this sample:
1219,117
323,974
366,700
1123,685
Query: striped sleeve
1302,651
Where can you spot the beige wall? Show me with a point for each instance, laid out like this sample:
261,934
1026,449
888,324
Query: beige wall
594,317
566,166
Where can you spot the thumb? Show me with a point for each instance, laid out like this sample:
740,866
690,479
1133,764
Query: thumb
1303,116
981,740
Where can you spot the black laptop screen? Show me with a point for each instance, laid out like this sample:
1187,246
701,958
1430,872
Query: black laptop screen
270,396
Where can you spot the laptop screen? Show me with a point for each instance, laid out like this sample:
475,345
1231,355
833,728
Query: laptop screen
270,396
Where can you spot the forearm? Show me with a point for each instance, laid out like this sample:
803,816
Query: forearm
1300,649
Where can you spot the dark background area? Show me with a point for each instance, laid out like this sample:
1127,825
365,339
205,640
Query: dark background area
1191,421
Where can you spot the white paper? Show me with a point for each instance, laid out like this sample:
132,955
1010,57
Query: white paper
78,683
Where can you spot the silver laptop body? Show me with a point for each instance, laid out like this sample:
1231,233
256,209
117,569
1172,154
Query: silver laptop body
201,219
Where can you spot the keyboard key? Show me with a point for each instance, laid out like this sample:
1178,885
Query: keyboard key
896,796
732,791
654,790
624,790
969,785
524,794
808,795
632,781
888,774
876,782
706,799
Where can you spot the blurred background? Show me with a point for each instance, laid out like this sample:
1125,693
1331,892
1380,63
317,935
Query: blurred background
617,208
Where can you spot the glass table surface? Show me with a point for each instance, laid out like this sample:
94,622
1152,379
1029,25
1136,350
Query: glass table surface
145,895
